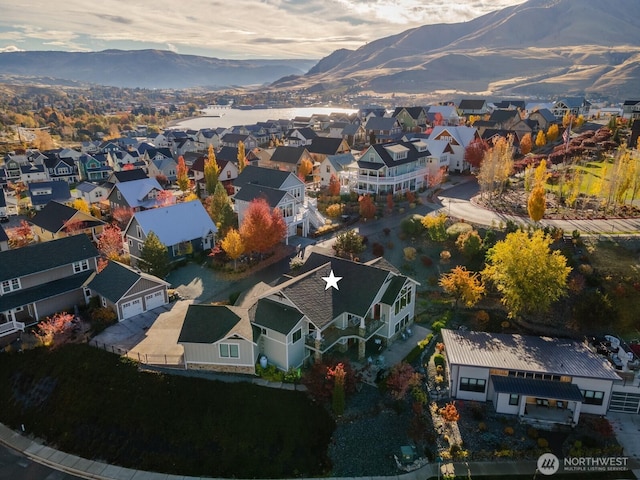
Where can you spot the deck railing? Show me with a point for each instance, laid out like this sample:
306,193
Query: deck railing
10,327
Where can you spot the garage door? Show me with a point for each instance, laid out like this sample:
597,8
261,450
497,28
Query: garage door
134,307
624,402
154,300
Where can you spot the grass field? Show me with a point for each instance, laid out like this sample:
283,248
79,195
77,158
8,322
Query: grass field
83,400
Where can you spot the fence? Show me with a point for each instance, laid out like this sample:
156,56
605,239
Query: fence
175,361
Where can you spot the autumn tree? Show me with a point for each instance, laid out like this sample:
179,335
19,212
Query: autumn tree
54,330
182,178
164,198
349,244
241,156
154,257
122,215
221,210
211,171
21,235
338,397
474,153
528,275
469,243
526,144
463,285
537,202
305,168
110,242
367,208
497,166
435,225
233,245
81,205
262,228
334,185
553,132
541,139
449,413
42,140
402,379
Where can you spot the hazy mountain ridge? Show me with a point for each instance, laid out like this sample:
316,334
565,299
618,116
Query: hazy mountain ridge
147,68
538,47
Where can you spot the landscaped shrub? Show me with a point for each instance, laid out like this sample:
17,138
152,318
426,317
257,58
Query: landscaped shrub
458,228
425,341
508,431
377,249
270,373
334,210
482,427
543,443
438,360
532,433
426,261
445,256
409,254
482,319
437,326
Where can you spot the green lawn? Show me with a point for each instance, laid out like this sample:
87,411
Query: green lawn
94,404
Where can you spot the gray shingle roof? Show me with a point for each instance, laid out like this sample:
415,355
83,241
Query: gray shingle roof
250,192
558,356
45,256
325,145
275,316
114,281
54,215
211,323
537,388
267,177
287,154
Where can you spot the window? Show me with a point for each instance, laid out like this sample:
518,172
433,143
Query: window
138,231
514,399
229,350
472,384
297,335
592,397
328,169
81,266
404,299
10,285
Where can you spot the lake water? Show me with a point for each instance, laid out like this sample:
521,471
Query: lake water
232,116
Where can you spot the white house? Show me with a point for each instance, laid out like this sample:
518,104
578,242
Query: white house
537,378
459,137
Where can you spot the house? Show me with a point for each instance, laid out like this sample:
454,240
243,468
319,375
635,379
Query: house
322,146
393,167
90,192
459,137
56,220
232,140
219,338
544,118
505,119
165,167
334,165
383,129
63,169
299,320
184,228
410,118
355,134
33,172
227,174
301,136
42,279
41,193
473,106
4,213
575,106
631,109
127,176
206,137
127,291
511,105
280,189
536,378
288,158
442,115
4,240
94,168
135,195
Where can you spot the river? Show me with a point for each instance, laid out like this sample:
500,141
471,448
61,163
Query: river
229,117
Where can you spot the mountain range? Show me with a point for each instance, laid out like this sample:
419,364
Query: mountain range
538,48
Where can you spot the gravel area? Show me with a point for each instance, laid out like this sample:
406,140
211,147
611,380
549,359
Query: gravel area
368,435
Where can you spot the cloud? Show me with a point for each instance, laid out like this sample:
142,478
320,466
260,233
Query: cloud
172,48
10,48
238,29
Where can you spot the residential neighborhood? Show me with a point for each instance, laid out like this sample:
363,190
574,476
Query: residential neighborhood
116,233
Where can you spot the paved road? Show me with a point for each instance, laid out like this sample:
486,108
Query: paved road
15,466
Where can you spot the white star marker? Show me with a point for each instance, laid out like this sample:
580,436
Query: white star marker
332,281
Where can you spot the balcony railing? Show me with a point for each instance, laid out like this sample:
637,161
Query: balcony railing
10,327
332,335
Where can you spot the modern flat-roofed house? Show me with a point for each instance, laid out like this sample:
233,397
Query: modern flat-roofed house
299,319
42,279
539,379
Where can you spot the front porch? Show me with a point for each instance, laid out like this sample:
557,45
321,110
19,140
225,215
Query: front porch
10,327
322,341
551,414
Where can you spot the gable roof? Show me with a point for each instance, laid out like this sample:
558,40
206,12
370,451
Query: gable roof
135,191
45,256
59,191
176,223
116,279
340,161
212,323
502,115
384,151
288,154
267,177
325,145
129,175
229,154
462,134
275,315
472,104
250,192
87,187
54,215
381,123
413,112
546,114
560,356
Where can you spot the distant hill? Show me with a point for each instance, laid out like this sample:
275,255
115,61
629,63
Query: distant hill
144,69
541,47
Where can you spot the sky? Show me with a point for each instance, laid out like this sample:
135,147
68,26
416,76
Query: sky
237,29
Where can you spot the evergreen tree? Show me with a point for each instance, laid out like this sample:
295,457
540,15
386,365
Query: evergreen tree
154,258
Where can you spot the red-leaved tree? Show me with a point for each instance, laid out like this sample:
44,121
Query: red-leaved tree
54,330
164,198
122,215
334,185
262,228
474,153
402,378
367,207
110,241
21,235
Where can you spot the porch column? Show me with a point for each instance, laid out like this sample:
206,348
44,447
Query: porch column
317,353
362,343
576,412
522,405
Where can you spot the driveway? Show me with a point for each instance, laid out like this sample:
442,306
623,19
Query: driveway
151,337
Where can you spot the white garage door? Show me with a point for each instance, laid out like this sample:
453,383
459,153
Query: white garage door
154,300
134,307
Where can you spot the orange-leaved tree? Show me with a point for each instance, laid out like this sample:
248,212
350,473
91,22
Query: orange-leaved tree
262,228
81,205
305,168
164,198
110,241
526,144
21,235
367,207
463,285
53,330
541,139
182,178
334,185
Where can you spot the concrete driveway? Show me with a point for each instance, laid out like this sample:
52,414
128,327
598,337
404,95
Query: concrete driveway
151,337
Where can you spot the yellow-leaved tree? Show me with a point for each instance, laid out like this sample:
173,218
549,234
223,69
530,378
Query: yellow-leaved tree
233,245
81,205
526,144
463,285
541,139
553,132
537,201
241,156
527,273
211,171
